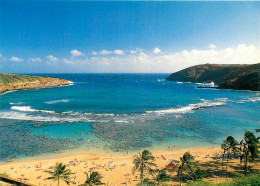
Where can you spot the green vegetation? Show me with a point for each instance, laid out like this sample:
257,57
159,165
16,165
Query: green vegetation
199,174
162,177
60,173
250,180
93,178
188,170
143,162
146,182
229,144
4,174
187,165
13,78
239,77
249,149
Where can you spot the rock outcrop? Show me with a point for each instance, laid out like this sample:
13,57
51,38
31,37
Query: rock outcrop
237,77
9,82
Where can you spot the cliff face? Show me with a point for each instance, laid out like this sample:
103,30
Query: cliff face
238,77
10,82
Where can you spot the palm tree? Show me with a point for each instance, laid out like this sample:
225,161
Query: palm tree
146,182
229,144
186,162
93,178
161,178
224,147
143,162
249,149
60,172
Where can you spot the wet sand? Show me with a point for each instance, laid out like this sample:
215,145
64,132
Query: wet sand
116,168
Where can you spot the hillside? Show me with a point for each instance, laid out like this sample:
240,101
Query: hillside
238,77
9,82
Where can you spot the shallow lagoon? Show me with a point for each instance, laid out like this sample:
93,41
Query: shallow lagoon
121,112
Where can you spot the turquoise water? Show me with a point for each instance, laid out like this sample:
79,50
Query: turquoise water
121,112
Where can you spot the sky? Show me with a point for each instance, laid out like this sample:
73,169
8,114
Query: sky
125,37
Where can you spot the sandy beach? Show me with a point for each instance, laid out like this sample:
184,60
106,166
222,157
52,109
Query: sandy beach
115,168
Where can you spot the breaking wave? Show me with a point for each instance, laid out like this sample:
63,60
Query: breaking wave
29,109
29,113
57,101
188,108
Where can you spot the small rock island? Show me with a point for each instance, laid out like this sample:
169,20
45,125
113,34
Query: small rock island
237,77
9,82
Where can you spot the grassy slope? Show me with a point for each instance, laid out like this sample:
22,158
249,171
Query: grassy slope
241,77
14,78
9,82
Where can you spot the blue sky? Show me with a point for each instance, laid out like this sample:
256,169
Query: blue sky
83,36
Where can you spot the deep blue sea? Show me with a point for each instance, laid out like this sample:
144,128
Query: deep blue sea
121,112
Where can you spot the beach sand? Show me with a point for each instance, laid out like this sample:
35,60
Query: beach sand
116,168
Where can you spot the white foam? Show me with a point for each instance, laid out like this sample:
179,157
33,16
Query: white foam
57,101
9,91
24,116
29,109
254,99
121,121
160,80
49,118
19,103
221,99
104,114
24,108
29,113
188,108
71,83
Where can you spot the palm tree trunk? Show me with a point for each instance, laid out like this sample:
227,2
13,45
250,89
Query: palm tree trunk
223,161
245,168
142,172
181,177
227,165
58,181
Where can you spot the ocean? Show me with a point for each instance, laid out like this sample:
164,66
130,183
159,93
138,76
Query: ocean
121,112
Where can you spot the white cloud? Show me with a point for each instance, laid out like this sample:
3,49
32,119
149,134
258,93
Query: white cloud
0,55
105,52
132,51
167,62
119,52
76,53
94,53
156,50
35,59
52,58
16,59
212,46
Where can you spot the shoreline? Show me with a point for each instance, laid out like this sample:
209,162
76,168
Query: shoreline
123,165
36,83
76,152
116,169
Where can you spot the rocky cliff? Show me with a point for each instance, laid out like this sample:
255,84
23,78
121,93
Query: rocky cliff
238,77
9,82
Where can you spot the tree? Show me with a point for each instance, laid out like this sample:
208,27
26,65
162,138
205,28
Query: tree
93,178
229,144
224,147
146,182
249,149
143,162
60,172
186,163
199,174
161,178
